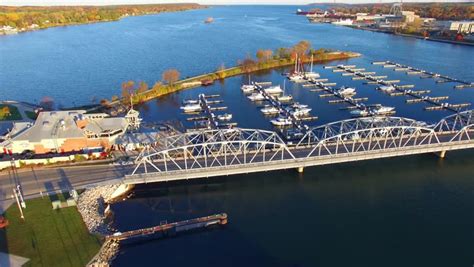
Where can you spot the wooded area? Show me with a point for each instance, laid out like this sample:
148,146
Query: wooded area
23,17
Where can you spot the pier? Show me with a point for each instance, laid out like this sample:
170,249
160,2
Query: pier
401,91
297,122
169,228
425,74
208,113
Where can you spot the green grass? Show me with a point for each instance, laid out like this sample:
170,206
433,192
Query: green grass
30,114
48,237
14,113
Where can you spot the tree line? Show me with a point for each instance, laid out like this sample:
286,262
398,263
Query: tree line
49,16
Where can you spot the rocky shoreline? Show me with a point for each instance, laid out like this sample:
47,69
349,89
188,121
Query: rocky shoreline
93,207
92,204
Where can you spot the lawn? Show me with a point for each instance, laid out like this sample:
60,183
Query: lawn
30,114
48,237
14,113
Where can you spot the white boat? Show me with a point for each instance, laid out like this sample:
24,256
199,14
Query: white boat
345,91
285,98
273,90
191,108
281,121
247,88
311,74
386,88
296,76
345,22
359,113
256,97
269,110
224,117
381,110
298,106
300,112
190,101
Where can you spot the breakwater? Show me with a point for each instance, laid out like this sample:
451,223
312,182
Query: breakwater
117,106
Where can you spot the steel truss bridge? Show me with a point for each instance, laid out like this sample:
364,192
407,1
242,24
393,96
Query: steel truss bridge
211,153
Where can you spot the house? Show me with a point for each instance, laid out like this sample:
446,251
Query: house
65,131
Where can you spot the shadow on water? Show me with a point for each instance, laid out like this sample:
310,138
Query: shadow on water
416,207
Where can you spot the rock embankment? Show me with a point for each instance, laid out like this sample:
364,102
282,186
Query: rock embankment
92,206
106,255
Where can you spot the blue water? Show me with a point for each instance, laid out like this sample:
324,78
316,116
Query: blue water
412,211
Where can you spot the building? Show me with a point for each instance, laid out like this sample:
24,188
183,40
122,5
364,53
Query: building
409,16
65,131
462,26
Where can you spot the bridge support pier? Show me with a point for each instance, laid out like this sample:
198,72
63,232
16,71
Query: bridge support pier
300,169
442,154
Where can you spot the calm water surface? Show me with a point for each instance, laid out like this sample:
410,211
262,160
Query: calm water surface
413,211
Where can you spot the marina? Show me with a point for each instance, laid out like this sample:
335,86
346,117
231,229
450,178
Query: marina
209,120
425,74
390,87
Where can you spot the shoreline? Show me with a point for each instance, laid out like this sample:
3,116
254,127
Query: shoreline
26,30
414,36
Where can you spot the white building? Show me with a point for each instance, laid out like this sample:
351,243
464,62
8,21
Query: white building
462,26
65,131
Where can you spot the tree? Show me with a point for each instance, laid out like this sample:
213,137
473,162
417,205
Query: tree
105,103
248,65
260,55
47,103
171,76
4,112
127,90
301,49
142,87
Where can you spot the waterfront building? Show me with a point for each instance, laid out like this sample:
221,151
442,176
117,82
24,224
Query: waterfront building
462,26
65,131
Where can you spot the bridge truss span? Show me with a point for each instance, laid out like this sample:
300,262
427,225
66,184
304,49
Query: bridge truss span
213,149
223,152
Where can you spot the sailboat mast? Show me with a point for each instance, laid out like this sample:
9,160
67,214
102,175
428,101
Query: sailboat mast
311,64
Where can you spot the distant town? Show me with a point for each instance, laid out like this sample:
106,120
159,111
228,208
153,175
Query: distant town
395,19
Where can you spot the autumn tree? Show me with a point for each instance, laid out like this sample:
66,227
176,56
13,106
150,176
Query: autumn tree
248,65
4,112
171,76
127,90
142,87
301,49
47,103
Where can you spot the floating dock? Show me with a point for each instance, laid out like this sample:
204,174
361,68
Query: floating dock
169,228
426,74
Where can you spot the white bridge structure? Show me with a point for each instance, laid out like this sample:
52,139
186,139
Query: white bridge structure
209,153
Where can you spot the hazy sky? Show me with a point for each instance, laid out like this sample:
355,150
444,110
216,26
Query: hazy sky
111,2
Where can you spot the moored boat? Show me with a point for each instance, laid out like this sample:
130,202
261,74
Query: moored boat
281,121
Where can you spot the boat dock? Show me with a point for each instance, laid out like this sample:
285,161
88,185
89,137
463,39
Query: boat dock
331,92
209,119
297,122
401,91
426,74
169,228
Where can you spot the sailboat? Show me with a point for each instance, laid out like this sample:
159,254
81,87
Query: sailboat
297,75
284,97
247,88
311,74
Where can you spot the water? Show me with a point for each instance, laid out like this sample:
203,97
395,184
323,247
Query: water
407,211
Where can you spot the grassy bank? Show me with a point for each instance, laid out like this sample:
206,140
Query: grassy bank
158,91
48,237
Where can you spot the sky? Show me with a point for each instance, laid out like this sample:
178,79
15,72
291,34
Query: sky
210,2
